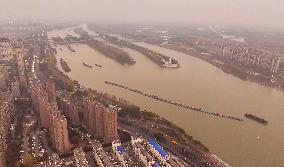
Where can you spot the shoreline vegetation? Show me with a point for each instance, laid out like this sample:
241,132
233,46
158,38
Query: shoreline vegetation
232,57
49,68
158,58
144,121
112,52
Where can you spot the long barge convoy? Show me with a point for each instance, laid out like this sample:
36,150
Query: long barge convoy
174,103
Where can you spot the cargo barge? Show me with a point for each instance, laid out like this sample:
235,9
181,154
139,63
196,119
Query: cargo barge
64,66
70,48
98,65
87,65
253,117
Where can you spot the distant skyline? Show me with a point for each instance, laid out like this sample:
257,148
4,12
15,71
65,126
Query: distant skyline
237,12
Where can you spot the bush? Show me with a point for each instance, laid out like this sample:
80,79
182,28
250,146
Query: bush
125,122
61,85
79,95
150,119
170,132
43,67
159,136
150,114
124,136
133,111
122,114
13,153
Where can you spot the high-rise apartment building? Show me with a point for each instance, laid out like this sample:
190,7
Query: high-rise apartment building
59,132
100,120
51,91
70,111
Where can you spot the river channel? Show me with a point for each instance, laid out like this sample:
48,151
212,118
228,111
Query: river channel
196,83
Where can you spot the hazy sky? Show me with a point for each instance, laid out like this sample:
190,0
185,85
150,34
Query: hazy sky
263,12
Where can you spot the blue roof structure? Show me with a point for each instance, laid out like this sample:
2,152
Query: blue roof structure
158,147
120,149
156,165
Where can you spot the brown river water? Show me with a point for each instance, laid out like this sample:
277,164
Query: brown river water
196,83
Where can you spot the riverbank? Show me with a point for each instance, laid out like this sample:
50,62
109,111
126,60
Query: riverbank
207,51
229,68
48,68
200,84
172,136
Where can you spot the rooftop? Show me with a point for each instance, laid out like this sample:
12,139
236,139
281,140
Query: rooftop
4,40
158,147
120,149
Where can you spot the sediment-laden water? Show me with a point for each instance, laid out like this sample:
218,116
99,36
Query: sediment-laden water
197,83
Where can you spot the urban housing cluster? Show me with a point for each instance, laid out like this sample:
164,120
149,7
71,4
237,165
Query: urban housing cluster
51,118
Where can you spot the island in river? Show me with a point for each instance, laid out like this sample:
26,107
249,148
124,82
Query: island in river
199,84
246,58
112,52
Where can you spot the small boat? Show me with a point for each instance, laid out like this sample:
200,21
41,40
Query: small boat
98,65
87,65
